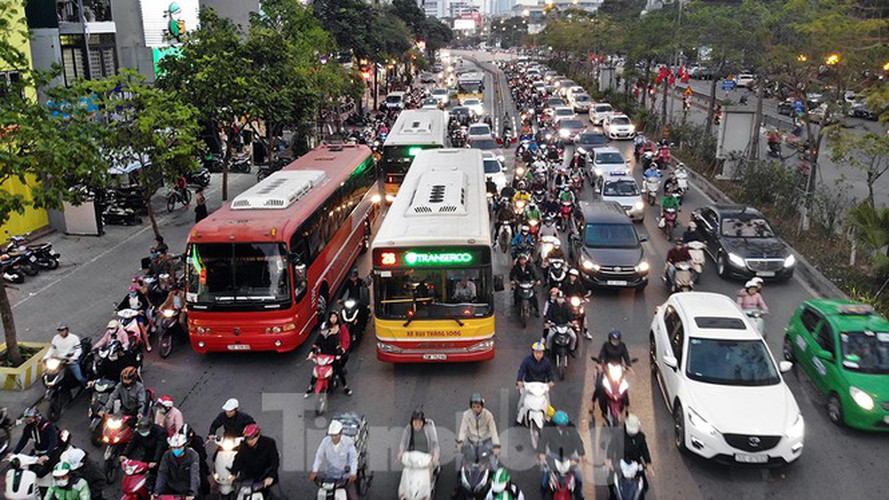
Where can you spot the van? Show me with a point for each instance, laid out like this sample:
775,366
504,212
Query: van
395,100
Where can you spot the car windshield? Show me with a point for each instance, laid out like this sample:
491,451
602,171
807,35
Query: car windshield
620,120
610,236
555,101
582,98
484,144
866,352
620,188
592,139
564,112
603,108
221,274
479,130
470,102
609,158
439,92
492,167
431,101
393,99
433,293
746,226
731,362
571,124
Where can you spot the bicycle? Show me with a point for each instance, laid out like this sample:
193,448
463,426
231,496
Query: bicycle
178,195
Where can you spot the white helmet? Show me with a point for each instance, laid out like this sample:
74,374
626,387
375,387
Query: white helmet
73,457
177,440
633,424
751,284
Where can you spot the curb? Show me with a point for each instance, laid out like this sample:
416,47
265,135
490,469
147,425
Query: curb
805,270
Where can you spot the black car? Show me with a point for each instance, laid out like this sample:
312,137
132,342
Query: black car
741,242
588,141
461,114
608,250
785,107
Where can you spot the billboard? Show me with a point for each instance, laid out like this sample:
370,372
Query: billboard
166,22
464,25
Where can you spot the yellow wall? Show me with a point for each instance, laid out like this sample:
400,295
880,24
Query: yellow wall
32,218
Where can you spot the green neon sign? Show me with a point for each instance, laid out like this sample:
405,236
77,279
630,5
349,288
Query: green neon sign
438,258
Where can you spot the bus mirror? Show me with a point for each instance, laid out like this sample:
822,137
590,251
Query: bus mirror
498,283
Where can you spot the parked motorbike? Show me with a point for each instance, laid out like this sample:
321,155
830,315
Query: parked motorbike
418,477
199,178
119,216
11,269
226,449
25,259
533,412
561,347
134,484
270,168
43,253
241,163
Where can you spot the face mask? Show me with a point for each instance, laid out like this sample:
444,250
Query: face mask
144,433
177,452
61,482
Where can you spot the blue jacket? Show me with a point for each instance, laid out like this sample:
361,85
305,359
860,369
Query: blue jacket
532,370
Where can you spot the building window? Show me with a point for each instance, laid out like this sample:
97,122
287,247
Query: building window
102,57
7,80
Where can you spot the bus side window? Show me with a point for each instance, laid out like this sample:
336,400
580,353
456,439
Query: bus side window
299,248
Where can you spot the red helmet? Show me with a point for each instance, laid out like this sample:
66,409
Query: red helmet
165,401
251,430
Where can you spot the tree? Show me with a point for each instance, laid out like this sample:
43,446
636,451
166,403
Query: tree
209,74
350,22
149,127
871,225
438,35
48,149
868,152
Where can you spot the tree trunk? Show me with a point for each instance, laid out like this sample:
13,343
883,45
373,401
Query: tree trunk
711,106
12,345
151,217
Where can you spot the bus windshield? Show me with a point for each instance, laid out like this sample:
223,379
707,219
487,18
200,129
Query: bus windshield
397,159
433,293
221,274
469,87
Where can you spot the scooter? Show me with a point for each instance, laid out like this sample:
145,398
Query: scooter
352,316
475,474
418,477
12,271
681,175
567,212
756,317
524,297
560,482
561,346
557,273
627,481
578,304
21,482
241,163
667,223
6,423
652,187
533,411
167,327
696,251
615,390
43,254
683,280
200,178
134,484
101,392
323,373
59,382
547,243
117,432
226,449
328,489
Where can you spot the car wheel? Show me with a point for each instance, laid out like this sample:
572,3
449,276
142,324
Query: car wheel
787,349
678,427
720,266
835,409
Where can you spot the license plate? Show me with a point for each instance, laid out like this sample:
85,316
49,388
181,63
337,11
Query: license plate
435,357
886,420
239,347
616,283
766,274
751,459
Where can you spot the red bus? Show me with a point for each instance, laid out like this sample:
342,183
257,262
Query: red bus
261,269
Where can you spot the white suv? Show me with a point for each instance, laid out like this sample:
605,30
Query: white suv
721,383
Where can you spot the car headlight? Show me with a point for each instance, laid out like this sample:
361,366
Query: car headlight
590,265
862,398
789,261
598,171
736,260
638,206
700,424
798,429
642,267
631,128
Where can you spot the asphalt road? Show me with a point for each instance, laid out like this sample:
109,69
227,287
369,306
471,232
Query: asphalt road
835,463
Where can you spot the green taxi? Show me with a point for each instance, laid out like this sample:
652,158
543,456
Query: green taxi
843,347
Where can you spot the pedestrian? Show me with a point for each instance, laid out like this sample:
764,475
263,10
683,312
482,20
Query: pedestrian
200,206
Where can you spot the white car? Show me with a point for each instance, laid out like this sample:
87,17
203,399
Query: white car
442,95
721,383
600,111
607,160
745,80
563,112
580,102
621,187
494,170
577,89
430,103
539,87
475,105
480,131
619,127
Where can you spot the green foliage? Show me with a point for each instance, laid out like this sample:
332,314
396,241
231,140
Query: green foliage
768,185
868,152
351,23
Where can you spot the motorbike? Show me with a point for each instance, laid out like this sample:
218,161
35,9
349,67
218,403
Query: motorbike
167,327
101,391
681,175
21,482
557,273
134,484
533,228
560,480
114,215
11,269
667,223
272,167
352,315
561,347
683,280
418,477
647,159
627,481
567,212
538,195
58,382
696,251
652,187
25,259
328,489
241,163
117,432
6,423
475,473
663,156
508,139
775,149
226,449
505,237
533,411
323,373
43,254
756,317
525,296
615,394
578,305
547,243
199,178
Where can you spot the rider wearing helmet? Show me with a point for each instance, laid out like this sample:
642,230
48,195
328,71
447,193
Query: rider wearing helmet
532,212
556,252
502,487
131,394
549,227
750,298
179,472
46,440
523,272
65,486
575,286
534,368
521,194
634,447
614,350
478,430
148,445
84,468
559,313
679,253
258,461
561,439
522,242
691,233
231,419
168,415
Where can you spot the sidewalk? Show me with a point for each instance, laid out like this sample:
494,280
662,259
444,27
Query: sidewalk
94,275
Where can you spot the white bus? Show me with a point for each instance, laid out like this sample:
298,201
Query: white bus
432,278
414,131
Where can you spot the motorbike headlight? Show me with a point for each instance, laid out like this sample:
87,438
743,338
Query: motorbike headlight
736,260
789,261
168,313
349,303
52,364
797,430
228,444
700,424
519,171
575,301
642,267
598,171
861,398
114,423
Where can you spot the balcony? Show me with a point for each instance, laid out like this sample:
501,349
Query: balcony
96,14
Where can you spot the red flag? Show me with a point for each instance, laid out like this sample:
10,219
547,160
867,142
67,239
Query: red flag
658,79
663,72
672,80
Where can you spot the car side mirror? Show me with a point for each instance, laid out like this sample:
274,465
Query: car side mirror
824,354
671,361
643,239
785,366
498,283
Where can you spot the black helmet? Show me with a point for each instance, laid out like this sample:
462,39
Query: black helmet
614,334
418,415
32,412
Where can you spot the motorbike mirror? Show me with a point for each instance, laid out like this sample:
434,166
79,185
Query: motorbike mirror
785,366
671,361
498,283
